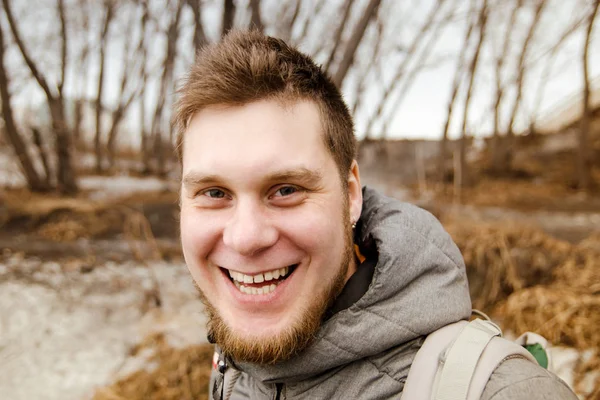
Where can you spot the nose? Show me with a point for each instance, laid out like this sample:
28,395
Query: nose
249,231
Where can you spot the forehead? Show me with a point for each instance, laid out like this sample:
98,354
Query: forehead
256,138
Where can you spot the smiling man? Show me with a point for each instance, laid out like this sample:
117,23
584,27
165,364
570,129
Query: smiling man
314,286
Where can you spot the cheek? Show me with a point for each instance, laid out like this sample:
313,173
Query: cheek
199,235
318,233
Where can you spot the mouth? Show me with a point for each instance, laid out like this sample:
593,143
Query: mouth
262,283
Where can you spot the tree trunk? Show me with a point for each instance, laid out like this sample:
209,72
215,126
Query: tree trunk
256,18
355,39
65,176
144,145
103,43
228,16
66,182
443,151
34,182
463,178
498,152
199,34
362,80
165,83
126,97
78,117
37,140
583,159
338,35
117,115
507,147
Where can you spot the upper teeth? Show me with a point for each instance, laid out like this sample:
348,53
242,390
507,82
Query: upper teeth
259,278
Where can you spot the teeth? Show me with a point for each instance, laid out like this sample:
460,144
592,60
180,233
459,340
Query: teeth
259,278
256,291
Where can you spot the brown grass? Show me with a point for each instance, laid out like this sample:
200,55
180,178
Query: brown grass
532,282
502,258
179,374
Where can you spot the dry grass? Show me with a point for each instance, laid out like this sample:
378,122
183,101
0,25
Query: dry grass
60,219
178,374
504,258
516,194
532,282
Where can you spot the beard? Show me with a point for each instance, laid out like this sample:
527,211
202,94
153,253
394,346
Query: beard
294,338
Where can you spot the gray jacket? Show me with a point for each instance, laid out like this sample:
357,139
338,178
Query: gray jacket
365,351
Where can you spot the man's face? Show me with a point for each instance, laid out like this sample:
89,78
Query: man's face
265,225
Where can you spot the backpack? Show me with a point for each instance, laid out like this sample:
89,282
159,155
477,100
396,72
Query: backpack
456,361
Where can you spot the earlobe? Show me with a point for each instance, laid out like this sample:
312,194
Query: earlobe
354,192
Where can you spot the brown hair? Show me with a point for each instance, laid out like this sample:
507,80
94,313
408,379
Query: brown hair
247,66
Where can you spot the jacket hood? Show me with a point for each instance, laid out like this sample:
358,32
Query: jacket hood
418,286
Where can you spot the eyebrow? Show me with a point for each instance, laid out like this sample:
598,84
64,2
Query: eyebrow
304,175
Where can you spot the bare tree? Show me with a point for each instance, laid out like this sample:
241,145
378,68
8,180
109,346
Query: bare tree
506,158
34,181
256,18
456,82
81,74
347,5
108,16
166,82
498,153
583,159
545,75
357,35
372,65
461,178
66,182
199,34
39,144
287,17
402,68
419,65
228,16
126,97
306,23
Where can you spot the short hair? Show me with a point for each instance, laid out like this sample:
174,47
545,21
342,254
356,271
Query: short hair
248,66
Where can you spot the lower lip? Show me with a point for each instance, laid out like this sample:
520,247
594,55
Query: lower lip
258,299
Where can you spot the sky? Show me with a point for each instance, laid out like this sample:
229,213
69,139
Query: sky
422,112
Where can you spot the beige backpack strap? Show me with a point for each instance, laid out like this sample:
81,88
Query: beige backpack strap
422,373
462,357
456,361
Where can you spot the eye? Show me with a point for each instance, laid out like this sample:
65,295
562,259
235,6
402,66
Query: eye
285,191
214,193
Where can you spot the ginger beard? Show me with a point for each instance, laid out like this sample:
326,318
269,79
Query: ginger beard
294,338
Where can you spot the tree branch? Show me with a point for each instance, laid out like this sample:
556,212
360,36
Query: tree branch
354,41
28,60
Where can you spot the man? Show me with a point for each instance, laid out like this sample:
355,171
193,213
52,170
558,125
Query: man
314,287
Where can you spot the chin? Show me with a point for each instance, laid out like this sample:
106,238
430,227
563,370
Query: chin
263,327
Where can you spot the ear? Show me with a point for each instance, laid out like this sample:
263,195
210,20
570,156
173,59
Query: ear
355,198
